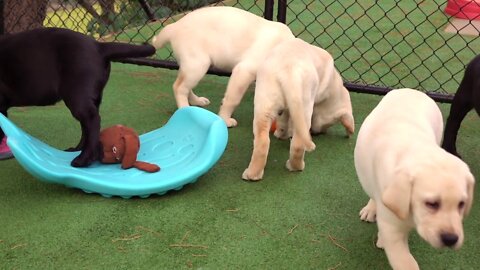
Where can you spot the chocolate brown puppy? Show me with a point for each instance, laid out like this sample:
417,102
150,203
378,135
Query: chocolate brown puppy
43,66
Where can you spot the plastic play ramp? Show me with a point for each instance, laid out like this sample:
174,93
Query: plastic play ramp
185,148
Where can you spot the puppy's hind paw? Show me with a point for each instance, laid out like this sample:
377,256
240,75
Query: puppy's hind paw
231,122
310,146
369,212
249,175
379,243
295,166
200,101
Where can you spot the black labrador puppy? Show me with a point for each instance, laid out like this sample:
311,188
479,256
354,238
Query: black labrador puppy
43,66
466,98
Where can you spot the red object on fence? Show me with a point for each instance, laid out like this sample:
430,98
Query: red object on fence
464,9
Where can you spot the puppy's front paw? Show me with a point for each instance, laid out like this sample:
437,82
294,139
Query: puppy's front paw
230,122
295,166
379,241
200,101
87,157
73,149
82,161
248,174
369,212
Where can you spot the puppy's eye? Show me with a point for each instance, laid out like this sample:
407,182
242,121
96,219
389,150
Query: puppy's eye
432,205
114,150
461,205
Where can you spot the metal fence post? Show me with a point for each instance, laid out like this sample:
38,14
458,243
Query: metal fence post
268,12
148,10
282,11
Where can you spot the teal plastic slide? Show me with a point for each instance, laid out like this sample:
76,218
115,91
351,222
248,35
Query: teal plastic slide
186,147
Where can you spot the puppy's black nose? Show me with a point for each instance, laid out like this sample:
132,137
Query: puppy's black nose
449,239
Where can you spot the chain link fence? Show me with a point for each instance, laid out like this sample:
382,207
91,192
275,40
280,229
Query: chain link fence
377,45
392,44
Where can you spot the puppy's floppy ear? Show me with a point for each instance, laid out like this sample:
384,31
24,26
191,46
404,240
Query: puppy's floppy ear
144,166
470,188
397,195
132,145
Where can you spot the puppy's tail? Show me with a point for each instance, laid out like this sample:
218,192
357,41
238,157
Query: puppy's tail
116,50
163,37
296,107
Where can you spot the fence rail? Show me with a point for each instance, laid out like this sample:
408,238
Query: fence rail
377,45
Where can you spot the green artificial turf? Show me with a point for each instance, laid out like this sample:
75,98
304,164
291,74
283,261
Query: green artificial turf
303,220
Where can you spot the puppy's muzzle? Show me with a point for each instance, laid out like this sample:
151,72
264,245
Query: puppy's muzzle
449,239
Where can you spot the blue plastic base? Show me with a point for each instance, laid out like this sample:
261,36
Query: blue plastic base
191,142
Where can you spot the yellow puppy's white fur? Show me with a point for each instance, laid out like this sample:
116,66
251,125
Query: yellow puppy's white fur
299,81
227,38
411,181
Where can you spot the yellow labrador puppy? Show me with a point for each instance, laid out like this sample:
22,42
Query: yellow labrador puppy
411,181
227,38
299,82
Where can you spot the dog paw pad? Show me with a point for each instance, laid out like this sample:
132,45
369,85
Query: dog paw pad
201,101
248,175
295,166
367,214
231,122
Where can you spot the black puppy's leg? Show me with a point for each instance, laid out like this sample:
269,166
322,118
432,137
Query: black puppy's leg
80,144
87,114
461,105
475,95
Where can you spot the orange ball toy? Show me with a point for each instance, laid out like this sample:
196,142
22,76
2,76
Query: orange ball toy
274,126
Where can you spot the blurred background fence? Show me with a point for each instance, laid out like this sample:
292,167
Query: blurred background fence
377,45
